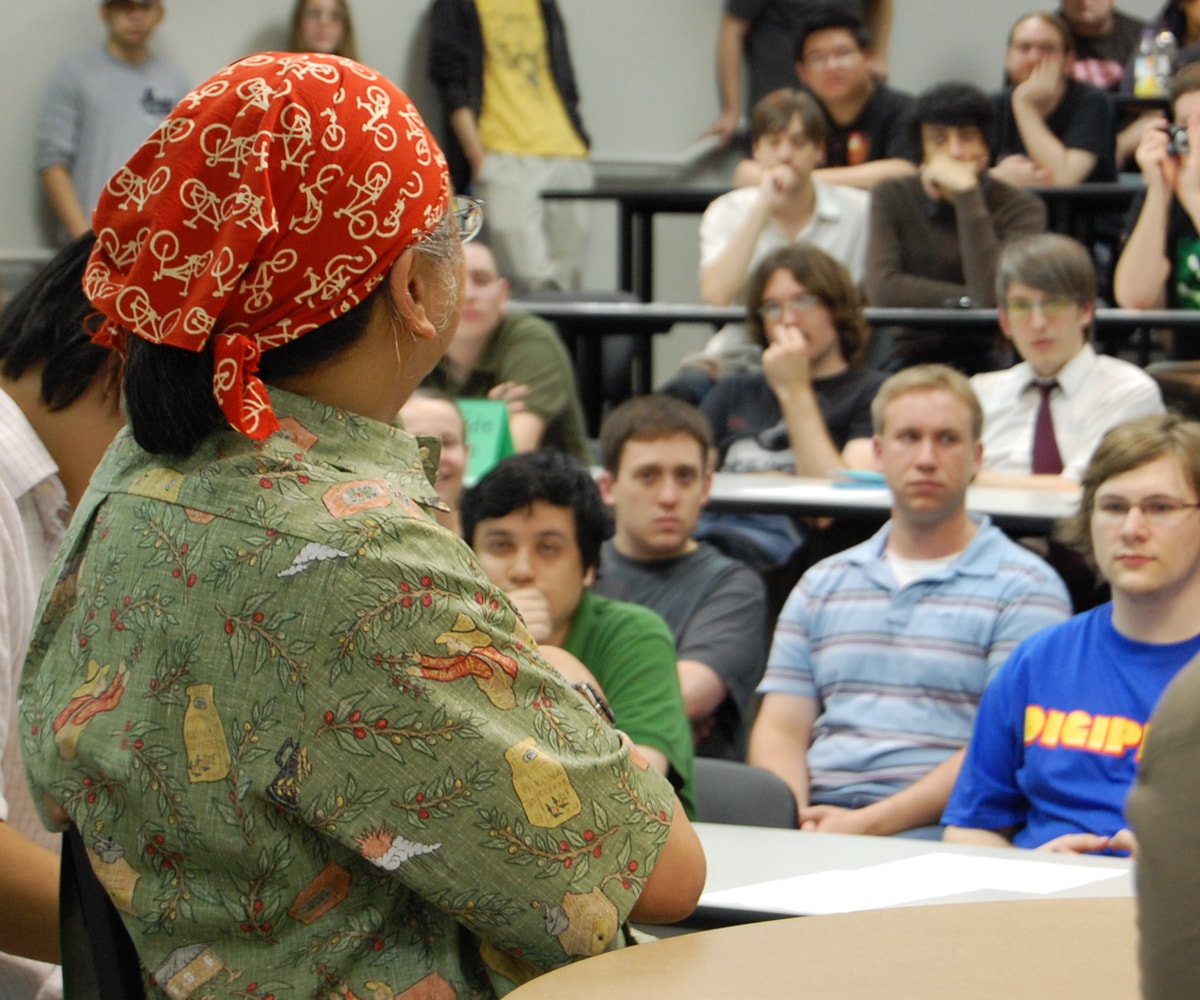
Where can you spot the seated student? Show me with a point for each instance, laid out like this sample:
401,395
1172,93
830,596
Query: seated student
882,651
786,206
935,236
536,521
1052,128
868,137
59,409
1046,289
513,356
1164,814
1159,266
1059,731
808,410
429,413
657,473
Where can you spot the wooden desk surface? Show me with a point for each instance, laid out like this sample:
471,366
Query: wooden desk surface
1049,949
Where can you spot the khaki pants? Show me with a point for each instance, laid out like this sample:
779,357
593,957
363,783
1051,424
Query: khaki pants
537,243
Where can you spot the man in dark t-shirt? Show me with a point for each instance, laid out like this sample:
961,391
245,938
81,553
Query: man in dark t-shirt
1105,39
1051,129
762,34
656,479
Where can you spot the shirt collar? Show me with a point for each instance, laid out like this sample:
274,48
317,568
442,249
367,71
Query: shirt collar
1070,377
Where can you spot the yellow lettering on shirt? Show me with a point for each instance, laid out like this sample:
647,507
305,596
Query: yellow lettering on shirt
1054,729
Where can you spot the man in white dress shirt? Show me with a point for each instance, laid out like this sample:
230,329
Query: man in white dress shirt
59,408
786,206
1045,292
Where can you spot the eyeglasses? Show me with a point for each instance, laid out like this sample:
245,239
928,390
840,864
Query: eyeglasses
1052,307
468,216
770,311
842,55
129,6
1038,48
1158,511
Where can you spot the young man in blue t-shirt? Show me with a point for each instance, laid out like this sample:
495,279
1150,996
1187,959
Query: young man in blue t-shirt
1059,731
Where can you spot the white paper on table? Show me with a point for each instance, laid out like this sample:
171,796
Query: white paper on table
910,880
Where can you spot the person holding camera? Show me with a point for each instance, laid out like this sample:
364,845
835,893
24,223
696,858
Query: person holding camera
1159,266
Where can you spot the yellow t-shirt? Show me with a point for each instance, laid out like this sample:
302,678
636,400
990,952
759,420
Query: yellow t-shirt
523,112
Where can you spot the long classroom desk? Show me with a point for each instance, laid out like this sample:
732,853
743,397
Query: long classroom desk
1021,512
1070,209
585,322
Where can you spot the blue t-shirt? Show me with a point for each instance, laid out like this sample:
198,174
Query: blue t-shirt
1060,729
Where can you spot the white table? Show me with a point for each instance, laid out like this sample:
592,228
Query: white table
1025,512
740,856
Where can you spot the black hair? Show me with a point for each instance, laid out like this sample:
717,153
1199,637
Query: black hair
169,390
830,18
958,104
553,476
46,323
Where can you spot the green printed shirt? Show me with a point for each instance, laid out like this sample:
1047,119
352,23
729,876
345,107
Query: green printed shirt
312,752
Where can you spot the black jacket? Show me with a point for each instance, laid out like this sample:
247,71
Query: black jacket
456,69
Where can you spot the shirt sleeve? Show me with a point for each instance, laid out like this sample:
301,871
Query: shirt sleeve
789,664
57,137
724,635
986,795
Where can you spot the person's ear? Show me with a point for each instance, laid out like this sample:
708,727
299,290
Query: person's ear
1005,327
604,480
411,285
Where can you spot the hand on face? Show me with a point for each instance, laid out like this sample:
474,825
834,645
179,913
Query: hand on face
777,183
786,361
947,175
1045,85
532,605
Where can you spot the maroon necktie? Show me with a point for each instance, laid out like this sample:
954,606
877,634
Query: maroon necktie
1046,458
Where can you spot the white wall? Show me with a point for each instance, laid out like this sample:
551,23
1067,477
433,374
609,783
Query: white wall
645,70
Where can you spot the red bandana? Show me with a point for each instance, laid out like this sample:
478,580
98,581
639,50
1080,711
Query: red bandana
274,198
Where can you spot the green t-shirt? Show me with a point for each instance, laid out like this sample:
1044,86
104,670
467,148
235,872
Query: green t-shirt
525,349
630,650
307,742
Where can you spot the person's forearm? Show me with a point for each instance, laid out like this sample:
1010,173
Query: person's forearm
677,878
730,40
1139,281
865,175
977,838
527,430
466,131
1066,166
782,757
879,25
920,804
724,276
978,244
813,450
29,888
702,688
64,201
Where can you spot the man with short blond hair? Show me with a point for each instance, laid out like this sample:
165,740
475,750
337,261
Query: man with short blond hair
1059,732
882,652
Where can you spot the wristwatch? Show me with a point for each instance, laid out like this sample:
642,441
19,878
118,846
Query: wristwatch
596,700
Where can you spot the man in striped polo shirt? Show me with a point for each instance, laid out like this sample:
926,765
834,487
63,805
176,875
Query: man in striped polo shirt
882,652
